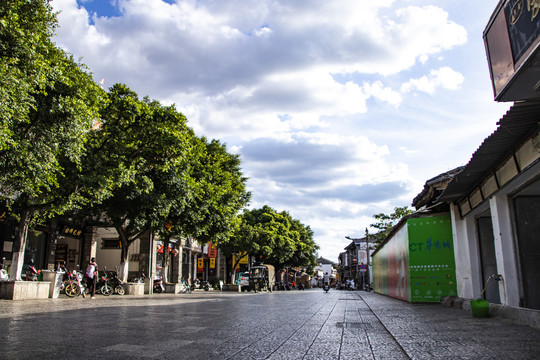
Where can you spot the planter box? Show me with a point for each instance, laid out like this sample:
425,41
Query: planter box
232,287
172,288
134,289
24,290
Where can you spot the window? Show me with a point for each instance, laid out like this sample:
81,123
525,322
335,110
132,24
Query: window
110,243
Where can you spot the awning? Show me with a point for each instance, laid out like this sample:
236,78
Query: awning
519,122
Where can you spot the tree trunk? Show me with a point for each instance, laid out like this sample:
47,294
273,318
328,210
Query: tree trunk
235,264
17,261
124,263
165,264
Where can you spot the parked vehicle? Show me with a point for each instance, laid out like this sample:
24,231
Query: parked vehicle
103,287
283,286
158,285
116,283
261,277
138,280
300,286
198,284
4,276
31,272
185,286
326,287
244,281
73,285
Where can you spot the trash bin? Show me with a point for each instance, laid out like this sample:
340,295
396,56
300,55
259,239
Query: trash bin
55,278
480,308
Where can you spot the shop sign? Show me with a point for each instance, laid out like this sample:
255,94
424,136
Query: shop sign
212,263
244,260
71,232
212,250
200,265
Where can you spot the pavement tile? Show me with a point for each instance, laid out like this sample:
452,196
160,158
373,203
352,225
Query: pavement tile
338,325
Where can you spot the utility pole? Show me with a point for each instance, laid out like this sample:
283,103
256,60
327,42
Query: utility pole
367,260
365,277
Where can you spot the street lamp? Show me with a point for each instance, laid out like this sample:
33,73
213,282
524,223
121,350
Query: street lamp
367,258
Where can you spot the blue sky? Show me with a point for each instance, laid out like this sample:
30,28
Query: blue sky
339,109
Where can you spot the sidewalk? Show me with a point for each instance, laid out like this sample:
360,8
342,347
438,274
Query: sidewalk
308,325
432,330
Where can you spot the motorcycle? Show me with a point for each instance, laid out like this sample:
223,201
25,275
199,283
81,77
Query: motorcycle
158,286
73,284
326,287
197,284
116,283
301,286
103,287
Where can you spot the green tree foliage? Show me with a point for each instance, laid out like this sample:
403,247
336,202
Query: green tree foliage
163,173
385,222
47,105
143,149
208,211
273,237
219,192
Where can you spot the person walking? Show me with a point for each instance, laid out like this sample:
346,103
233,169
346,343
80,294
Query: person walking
91,277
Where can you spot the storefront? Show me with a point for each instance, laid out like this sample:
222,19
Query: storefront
495,211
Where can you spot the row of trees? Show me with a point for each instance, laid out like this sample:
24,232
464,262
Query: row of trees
275,238
70,149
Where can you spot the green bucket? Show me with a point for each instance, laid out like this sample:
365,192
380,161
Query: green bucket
480,308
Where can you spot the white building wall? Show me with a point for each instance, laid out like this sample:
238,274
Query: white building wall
468,268
505,250
466,255
112,257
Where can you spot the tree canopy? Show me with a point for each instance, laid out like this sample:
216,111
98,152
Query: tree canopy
385,222
68,147
274,238
47,105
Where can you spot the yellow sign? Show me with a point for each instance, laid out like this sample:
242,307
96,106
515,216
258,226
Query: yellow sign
212,263
244,260
200,263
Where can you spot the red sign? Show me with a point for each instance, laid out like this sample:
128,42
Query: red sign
212,250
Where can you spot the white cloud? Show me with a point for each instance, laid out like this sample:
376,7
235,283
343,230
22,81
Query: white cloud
444,77
328,102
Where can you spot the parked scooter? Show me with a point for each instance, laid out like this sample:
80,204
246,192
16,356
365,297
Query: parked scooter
301,286
198,284
138,280
4,276
31,272
116,283
185,286
158,285
326,287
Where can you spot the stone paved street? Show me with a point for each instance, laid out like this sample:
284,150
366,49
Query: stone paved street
281,325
